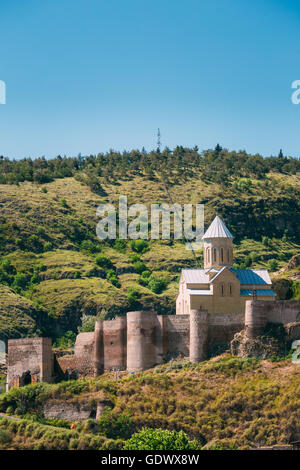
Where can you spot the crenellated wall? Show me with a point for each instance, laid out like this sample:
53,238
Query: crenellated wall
143,339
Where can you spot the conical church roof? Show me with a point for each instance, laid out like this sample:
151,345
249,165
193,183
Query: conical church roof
217,229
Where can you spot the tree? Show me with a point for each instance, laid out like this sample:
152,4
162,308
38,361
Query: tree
160,439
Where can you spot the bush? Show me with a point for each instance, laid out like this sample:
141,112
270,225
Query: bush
68,338
133,295
90,246
156,284
112,277
139,267
140,246
87,324
273,265
63,202
48,246
119,244
160,439
133,258
104,262
115,427
20,281
5,437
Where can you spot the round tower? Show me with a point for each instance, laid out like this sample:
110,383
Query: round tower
217,248
199,327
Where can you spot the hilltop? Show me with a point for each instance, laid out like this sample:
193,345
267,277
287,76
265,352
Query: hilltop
60,275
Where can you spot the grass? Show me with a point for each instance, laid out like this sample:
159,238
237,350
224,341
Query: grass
16,314
225,402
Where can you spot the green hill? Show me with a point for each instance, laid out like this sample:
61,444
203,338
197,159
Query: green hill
224,403
53,262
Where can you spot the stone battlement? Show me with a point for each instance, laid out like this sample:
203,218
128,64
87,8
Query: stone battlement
141,340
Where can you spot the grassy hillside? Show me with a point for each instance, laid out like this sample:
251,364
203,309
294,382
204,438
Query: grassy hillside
59,271
223,403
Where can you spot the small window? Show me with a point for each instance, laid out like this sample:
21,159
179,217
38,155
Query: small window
230,289
222,289
215,254
228,256
222,258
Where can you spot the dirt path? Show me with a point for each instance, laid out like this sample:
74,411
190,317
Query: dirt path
9,417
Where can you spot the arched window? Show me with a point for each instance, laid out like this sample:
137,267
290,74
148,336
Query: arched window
222,257
222,289
230,289
228,256
207,255
215,254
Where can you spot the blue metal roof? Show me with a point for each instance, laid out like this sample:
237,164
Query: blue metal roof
250,276
258,292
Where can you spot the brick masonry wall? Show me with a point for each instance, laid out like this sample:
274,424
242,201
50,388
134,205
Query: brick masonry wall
29,354
176,334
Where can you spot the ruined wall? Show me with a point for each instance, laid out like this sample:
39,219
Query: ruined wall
30,360
176,335
67,410
81,364
221,330
142,340
258,313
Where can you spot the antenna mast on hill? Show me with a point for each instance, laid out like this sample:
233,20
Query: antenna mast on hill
158,140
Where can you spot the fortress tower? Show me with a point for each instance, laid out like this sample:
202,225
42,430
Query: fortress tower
217,248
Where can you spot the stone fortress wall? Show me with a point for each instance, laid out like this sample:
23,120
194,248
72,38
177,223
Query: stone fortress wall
141,340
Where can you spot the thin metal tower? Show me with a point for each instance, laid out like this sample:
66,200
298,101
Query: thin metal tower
158,140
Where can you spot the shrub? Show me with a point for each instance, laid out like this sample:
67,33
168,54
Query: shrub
133,258
160,439
104,262
156,284
48,246
140,246
133,295
87,324
68,338
139,267
63,202
273,265
119,244
266,241
5,437
20,281
115,427
90,246
112,277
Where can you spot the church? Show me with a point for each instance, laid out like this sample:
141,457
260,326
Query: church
218,288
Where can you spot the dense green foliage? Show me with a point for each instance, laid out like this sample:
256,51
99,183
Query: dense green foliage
218,165
160,439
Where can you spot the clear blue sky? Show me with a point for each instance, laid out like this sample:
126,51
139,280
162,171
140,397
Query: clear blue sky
87,76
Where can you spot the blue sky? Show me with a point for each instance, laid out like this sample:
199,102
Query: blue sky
87,76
